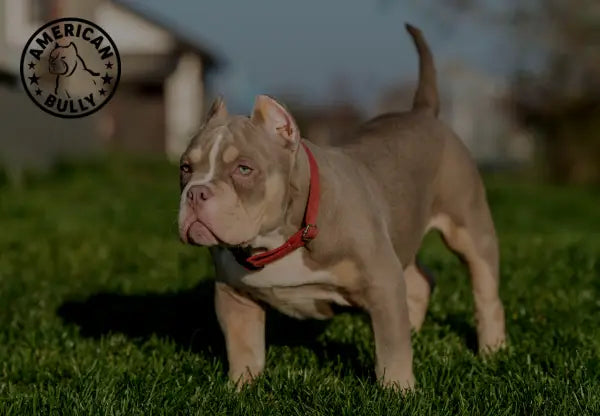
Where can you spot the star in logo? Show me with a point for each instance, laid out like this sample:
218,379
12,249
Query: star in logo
101,91
106,78
31,65
108,65
34,79
38,92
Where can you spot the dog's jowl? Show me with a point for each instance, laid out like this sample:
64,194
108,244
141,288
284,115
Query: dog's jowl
302,227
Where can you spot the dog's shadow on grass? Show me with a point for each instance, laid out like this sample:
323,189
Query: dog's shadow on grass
459,324
188,318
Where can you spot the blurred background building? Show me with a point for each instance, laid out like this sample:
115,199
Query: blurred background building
518,80
476,105
160,97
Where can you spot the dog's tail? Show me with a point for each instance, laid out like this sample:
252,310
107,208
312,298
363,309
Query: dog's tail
426,97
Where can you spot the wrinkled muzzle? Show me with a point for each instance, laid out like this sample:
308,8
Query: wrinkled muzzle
213,215
192,229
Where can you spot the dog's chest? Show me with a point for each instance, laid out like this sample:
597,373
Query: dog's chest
288,284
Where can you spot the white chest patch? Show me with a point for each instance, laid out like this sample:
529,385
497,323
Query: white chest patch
287,284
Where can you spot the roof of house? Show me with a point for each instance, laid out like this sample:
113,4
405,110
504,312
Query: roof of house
210,59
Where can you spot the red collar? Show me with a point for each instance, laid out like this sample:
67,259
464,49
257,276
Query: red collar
305,234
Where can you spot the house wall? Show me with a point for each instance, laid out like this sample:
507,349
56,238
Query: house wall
184,98
159,101
163,120
3,44
133,121
15,29
30,139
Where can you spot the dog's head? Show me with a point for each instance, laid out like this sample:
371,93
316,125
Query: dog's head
63,59
235,175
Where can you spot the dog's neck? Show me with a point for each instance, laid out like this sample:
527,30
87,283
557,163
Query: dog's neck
294,206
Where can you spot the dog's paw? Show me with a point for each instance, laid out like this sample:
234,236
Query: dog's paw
242,379
492,346
401,385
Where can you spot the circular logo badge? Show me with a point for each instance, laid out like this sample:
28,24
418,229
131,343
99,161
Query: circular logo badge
70,67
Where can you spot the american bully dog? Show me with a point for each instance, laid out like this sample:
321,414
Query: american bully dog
72,74
301,227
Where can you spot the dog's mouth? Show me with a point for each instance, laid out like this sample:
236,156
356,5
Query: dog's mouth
197,233
200,231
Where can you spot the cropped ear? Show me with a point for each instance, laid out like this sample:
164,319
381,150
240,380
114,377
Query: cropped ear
217,110
276,120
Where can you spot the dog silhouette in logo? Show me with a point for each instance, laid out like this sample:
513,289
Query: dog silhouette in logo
71,71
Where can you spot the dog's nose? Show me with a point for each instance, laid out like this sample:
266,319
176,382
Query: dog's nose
199,193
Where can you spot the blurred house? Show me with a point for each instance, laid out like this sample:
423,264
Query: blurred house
476,105
159,101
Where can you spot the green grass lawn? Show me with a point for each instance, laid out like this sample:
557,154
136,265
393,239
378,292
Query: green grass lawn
103,311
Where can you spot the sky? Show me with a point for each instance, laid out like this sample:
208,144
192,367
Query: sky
304,48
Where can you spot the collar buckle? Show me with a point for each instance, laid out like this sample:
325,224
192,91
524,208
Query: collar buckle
309,232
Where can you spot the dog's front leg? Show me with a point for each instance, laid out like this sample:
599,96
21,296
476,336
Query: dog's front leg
387,306
243,323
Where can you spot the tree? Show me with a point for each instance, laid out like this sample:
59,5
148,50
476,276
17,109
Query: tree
559,95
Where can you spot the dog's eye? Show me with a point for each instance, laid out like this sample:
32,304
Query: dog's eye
185,168
244,170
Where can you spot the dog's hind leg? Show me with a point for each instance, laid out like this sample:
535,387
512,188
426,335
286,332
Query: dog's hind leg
468,230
